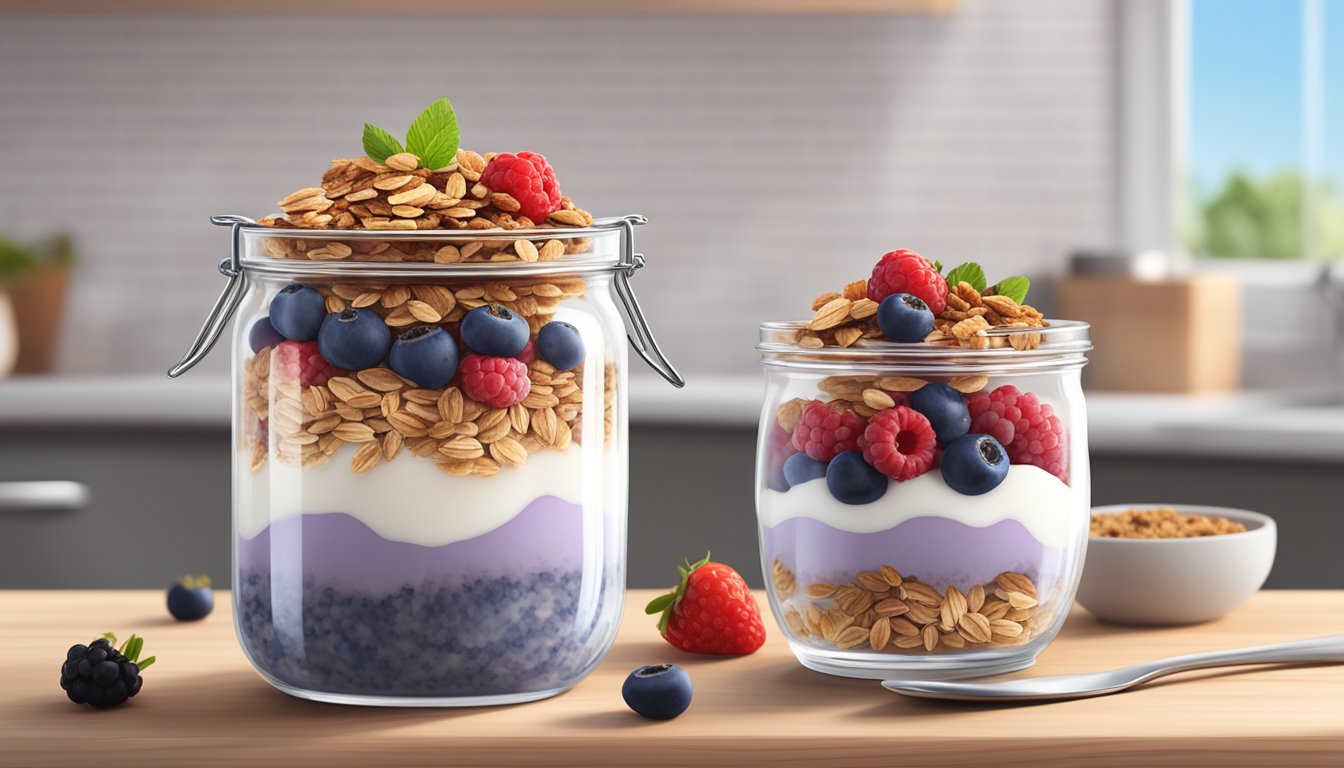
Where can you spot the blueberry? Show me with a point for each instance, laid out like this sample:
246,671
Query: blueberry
903,317
945,409
494,330
560,345
658,692
974,464
263,335
297,312
799,468
426,354
853,481
190,603
354,339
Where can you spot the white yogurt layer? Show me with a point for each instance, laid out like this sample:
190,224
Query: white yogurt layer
1038,500
410,499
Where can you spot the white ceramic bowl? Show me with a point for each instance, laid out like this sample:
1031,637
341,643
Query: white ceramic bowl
1176,581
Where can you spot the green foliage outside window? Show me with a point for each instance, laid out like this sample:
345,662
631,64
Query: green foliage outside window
1261,218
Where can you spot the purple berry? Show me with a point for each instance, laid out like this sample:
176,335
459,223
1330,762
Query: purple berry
974,464
904,318
799,468
561,345
354,339
852,480
494,331
426,354
945,408
191,599
263,335
297,312
658,692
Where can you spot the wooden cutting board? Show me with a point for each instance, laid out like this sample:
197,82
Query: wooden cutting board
203,705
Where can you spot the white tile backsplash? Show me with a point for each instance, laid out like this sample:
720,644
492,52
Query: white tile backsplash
776,156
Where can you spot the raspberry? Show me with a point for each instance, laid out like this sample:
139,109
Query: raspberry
1027,428
823,431
499,382
778,450
527,178
900,443
301,360
904,271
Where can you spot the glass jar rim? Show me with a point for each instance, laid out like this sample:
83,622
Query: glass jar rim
1063,345
585,263
598,226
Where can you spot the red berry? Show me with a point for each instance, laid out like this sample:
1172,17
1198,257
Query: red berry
778,449
499,382
711,611
527,178
900,443
301,360
904,271
824,430
529,353
1028,429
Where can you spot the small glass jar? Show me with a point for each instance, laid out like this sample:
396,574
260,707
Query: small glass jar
913,576
405,543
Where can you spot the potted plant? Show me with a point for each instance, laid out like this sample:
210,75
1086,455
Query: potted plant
36,276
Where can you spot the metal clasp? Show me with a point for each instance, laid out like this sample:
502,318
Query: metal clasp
642,340
225,305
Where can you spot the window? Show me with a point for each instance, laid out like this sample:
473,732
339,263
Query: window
1261,169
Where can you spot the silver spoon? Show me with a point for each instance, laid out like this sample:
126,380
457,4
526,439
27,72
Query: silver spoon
1317,650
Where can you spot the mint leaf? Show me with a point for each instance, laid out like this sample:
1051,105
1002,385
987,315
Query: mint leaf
433,135
1014,288
379,144
442,150
938,265
970,272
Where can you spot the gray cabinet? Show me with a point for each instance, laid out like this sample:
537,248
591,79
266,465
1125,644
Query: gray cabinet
159,504
158,507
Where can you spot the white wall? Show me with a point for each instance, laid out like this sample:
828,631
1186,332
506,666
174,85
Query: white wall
776,156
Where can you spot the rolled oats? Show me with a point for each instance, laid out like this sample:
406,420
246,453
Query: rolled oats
899,614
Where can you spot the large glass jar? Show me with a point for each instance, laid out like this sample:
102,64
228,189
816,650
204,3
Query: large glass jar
921,576
417,542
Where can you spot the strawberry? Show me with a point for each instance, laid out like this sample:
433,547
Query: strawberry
711,611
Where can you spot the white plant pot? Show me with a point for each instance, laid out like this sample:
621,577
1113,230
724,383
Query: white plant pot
9,336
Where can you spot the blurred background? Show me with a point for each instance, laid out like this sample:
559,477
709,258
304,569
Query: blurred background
1172,172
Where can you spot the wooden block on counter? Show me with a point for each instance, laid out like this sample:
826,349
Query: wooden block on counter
1176,335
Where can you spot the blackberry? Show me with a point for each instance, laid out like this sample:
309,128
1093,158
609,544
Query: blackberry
100,674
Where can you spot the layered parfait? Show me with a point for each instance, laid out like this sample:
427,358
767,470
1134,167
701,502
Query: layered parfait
923,490
431,493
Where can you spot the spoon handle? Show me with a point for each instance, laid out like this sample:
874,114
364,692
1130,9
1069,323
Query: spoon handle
1317,649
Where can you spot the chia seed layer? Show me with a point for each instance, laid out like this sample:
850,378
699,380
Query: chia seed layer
326,604
481,638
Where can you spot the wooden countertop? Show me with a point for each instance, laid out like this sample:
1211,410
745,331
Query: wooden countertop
203,705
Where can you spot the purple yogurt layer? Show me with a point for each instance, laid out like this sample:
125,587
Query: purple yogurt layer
339,551
938,551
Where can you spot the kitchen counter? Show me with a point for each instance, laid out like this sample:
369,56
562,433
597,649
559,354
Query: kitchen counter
203,705
1263,425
